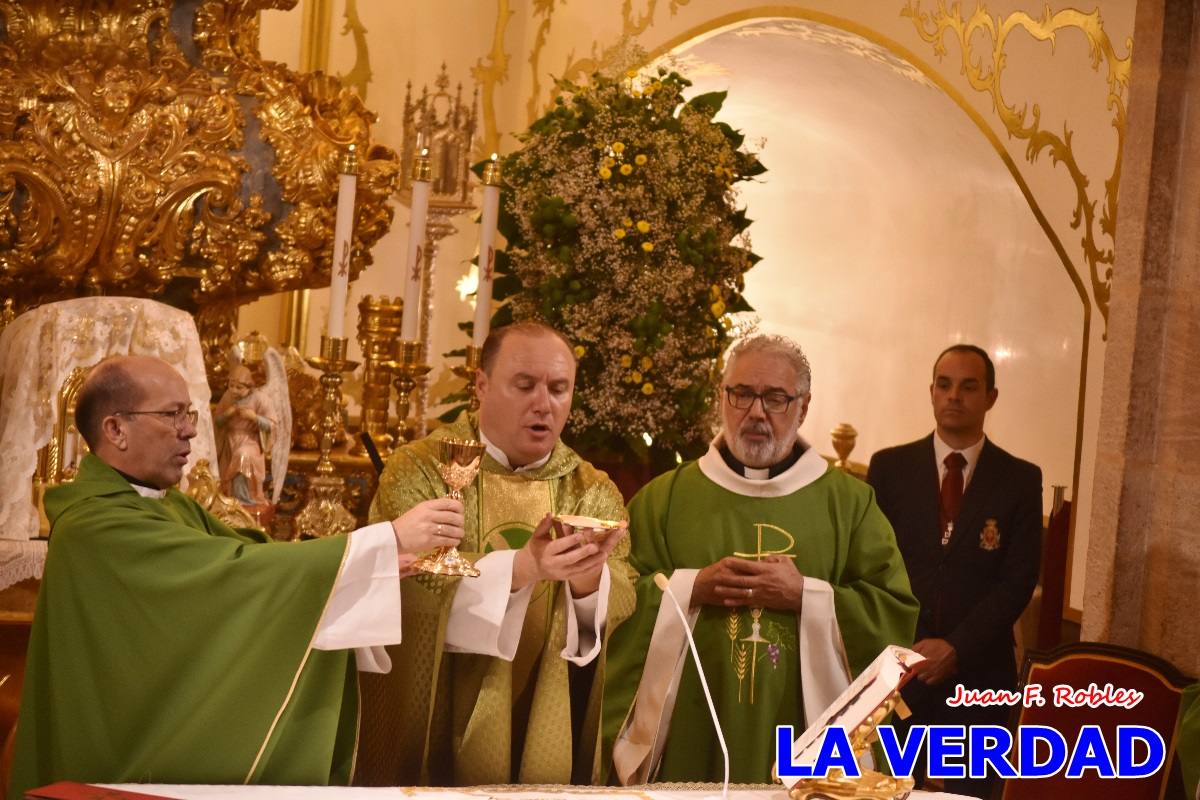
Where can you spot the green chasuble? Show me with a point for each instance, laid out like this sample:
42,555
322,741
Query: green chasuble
170,648
458,719
765,667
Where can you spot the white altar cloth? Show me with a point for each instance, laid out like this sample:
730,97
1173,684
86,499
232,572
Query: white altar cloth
703,792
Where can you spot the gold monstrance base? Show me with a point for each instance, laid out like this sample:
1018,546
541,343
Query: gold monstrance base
460,463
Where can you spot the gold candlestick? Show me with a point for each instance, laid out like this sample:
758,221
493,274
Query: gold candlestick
378,326
324,514
407,367
460,464
467,370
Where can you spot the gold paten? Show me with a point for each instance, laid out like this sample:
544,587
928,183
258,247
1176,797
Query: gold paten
460,464
129,165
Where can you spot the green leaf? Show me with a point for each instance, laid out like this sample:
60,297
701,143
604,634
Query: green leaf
708,103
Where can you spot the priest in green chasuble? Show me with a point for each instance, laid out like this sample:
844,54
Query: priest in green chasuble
168,647
787,570
529,710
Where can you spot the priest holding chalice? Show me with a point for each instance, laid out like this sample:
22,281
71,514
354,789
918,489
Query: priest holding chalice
538,582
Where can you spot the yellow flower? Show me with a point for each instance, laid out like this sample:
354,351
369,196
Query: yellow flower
648,246
618,147
643,226
619,233
607,161
626,169
626,361
631,73
639,159
718,308
715,292
605,173
627,222
579,351
647,389
636,93
636,376
647,363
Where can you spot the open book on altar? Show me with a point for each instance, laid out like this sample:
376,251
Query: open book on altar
869,692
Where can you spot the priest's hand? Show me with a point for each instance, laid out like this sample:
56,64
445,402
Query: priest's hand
941,661
771,582
565,558
429,524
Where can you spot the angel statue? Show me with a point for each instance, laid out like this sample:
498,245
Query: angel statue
270,386
244,428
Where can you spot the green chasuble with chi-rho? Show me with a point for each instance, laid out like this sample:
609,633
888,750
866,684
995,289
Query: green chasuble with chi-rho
170,648
833,531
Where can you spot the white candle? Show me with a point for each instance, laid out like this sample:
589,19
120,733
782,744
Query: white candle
487,251
343,234
416,246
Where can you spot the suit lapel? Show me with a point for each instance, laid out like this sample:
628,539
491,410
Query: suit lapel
928,496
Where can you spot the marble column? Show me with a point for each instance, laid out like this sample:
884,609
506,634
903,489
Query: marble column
1143,565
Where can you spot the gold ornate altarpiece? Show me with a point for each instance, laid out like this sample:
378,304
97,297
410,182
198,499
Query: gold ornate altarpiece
147,149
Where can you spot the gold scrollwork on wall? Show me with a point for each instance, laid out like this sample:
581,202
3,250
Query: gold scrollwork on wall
359,75
984,71
492,74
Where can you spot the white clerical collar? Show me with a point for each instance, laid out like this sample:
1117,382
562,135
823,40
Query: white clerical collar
146,491
807,469
500,458
971,454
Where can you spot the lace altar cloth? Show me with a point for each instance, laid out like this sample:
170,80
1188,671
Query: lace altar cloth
38,351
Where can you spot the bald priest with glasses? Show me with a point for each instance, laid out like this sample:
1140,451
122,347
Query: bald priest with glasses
168,647
787,569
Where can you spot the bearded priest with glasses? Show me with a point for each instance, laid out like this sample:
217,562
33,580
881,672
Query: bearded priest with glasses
789,573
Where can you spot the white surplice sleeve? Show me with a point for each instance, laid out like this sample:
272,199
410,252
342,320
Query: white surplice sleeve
486,616
585,622
363,611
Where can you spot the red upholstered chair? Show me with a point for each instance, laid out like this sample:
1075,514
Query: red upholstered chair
1079,665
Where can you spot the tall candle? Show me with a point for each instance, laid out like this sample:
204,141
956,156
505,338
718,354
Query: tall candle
422,174
343,245
487,251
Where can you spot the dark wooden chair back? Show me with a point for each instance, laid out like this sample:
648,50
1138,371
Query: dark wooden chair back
1078,665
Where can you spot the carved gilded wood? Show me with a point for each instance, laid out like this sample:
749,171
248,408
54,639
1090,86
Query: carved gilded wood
147,149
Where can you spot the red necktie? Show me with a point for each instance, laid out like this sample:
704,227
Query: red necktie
951,495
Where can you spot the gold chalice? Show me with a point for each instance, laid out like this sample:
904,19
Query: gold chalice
460,463
593,530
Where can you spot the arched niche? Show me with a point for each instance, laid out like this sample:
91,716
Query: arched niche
893,223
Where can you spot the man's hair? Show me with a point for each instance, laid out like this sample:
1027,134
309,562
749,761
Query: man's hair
496,337
107,389
988,366
773,345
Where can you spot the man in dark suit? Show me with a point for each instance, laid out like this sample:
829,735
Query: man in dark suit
968,519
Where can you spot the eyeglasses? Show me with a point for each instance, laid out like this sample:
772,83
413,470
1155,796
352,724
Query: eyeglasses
178,418
773,402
